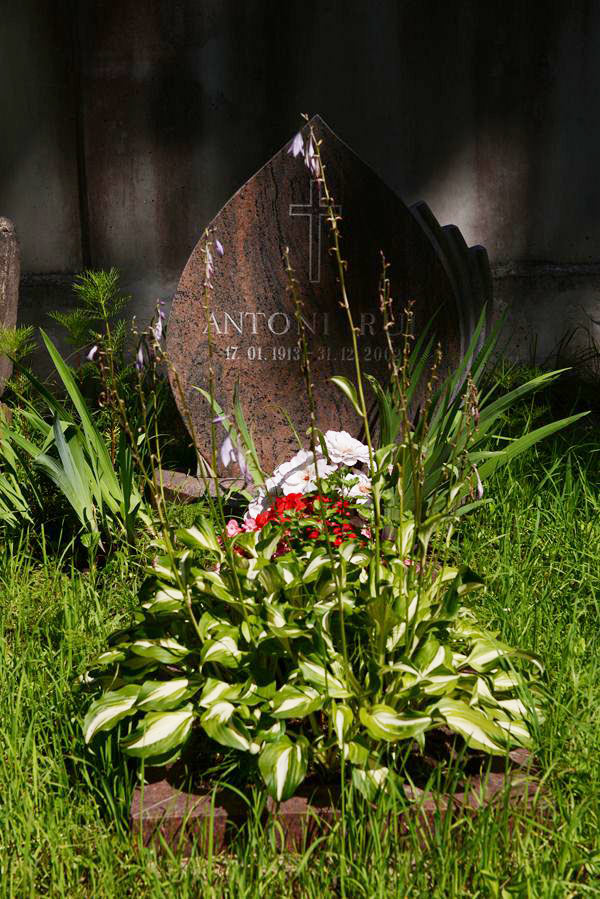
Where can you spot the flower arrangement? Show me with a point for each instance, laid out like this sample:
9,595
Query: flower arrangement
291,496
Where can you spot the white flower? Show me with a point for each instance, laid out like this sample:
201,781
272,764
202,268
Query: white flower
479,484
361,489
299,475
219,247
157,329
208,265
297,145
311,160
229,454
344,449
139,359
92,353
258,505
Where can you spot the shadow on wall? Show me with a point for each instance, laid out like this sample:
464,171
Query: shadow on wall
487,113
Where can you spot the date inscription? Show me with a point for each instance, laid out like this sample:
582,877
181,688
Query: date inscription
282,353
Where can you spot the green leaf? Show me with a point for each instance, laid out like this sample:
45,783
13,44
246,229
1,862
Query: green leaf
216,690
202,536
484,653
220,724
342,721
159,696
165,649
283,766
477,730
94,438
105,712
317,561
295,702
357,753
316,673
524,443
221,649
384,723
370,781
349,391
159,733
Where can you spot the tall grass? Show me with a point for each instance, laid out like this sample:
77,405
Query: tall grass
61,833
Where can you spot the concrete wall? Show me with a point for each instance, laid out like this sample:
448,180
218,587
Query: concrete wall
127,125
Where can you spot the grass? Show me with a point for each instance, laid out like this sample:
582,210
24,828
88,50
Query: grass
63,815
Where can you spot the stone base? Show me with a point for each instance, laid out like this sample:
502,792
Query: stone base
185,488
162,814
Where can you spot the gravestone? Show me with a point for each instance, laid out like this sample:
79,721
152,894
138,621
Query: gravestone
9,287
251,312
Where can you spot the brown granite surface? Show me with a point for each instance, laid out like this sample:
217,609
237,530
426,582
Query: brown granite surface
252,313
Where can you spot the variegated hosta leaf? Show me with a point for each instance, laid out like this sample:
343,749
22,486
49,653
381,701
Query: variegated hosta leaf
439,684
486,652
477,730
342,721
384,723
159,696
357,753
112,707
430,656
316,673
213,584
279,626
202,536
295,702
162,568
166,599
222,725
221,649
369,781
283,766
215,690
166,649
318,560
160,733
506,680
109,657
514,707
517,730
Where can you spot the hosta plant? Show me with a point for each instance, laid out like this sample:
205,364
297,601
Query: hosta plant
307,658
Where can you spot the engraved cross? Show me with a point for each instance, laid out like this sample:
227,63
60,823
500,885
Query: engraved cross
316,208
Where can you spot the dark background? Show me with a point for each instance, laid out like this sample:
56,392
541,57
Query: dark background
125,126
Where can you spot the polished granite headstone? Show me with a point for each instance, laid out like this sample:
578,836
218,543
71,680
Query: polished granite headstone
251,312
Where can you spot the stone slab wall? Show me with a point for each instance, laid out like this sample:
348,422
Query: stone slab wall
127,125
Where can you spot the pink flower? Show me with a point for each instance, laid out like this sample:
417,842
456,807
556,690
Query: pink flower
250,524
297,145
219,247
232,528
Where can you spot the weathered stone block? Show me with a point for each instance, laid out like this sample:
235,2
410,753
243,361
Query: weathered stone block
10,267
